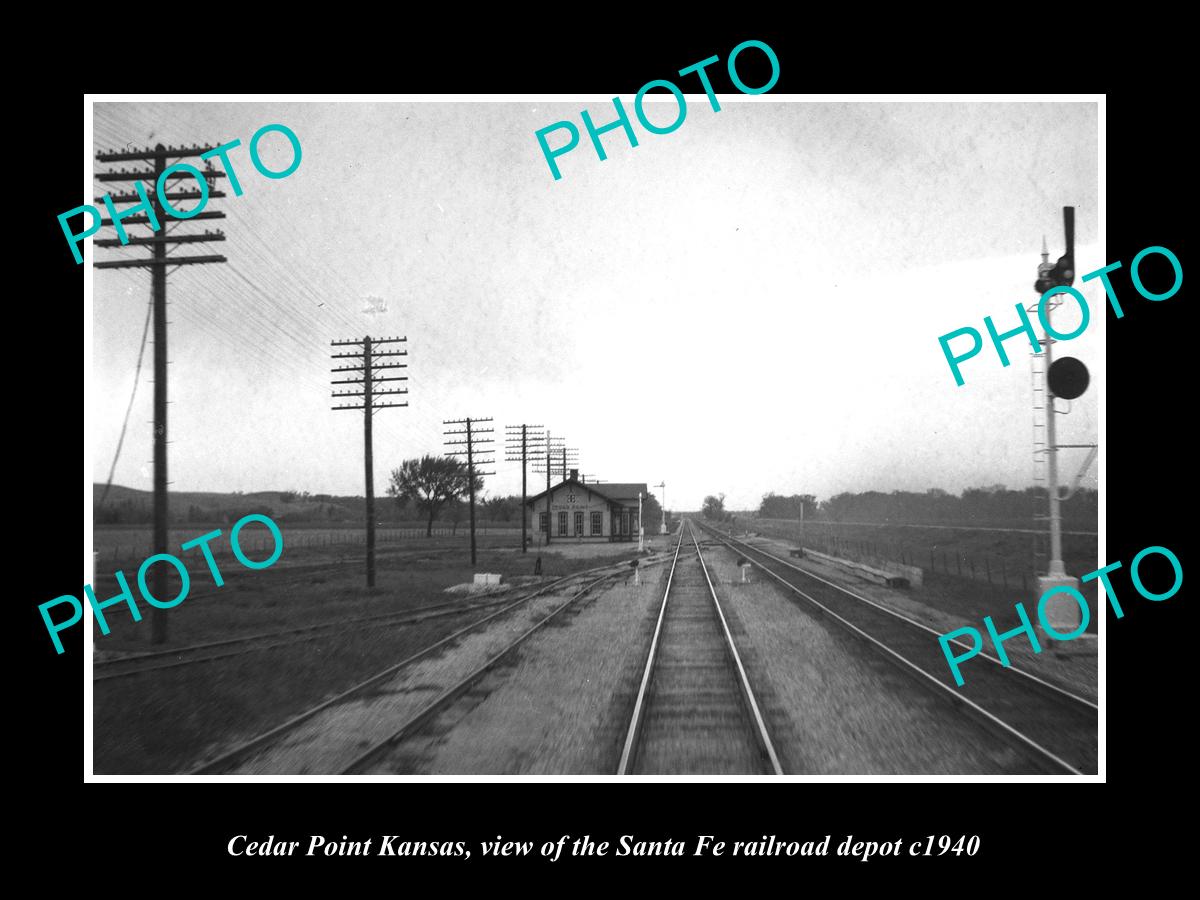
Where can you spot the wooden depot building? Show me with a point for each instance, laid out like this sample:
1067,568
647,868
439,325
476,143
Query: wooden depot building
588,512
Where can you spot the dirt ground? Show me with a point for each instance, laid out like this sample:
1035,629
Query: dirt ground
561,707
331,740
573,549
160,721
561,703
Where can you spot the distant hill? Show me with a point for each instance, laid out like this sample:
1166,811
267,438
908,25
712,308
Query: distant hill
131,506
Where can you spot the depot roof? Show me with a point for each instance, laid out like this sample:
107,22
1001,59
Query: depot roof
613,492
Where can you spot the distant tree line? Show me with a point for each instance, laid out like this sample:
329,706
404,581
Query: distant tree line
934,506
431,487
776,506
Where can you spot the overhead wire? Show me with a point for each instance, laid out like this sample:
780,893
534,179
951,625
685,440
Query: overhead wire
128,409
252,314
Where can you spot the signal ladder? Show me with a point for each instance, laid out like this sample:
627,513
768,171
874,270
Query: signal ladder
1041,496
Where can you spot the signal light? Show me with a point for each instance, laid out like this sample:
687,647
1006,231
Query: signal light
1067,377
1062,273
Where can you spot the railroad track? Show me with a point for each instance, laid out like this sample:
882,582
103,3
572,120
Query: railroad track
418,719
211,651
282,574
1052,725
246,750
695,711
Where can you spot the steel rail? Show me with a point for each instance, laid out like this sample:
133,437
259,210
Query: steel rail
905,664
633,735
290,636
764,739
899,615
639,706
448,696
240,751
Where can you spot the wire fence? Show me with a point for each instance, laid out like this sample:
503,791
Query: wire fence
257,548
978,567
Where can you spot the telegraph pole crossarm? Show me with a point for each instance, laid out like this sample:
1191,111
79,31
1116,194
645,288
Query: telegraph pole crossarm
158,262
366,355
519,443
473,452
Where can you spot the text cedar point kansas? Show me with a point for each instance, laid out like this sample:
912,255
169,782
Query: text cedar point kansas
622,120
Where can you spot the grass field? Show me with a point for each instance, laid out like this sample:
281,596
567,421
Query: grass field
998,557
118,545
967,570
162,721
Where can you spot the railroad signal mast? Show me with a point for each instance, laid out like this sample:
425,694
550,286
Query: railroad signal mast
477,455
363,376
1065,378
158,263
663,484
522,442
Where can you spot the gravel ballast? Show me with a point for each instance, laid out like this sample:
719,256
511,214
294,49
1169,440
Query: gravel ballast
562,706
834,707
1071,665
331,739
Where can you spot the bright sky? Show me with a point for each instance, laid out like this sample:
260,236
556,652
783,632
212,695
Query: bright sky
751,303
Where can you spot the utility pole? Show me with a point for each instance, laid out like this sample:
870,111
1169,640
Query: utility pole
549,524
551,446
472,433
560,460
519,443
663,484
366,354
155,216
